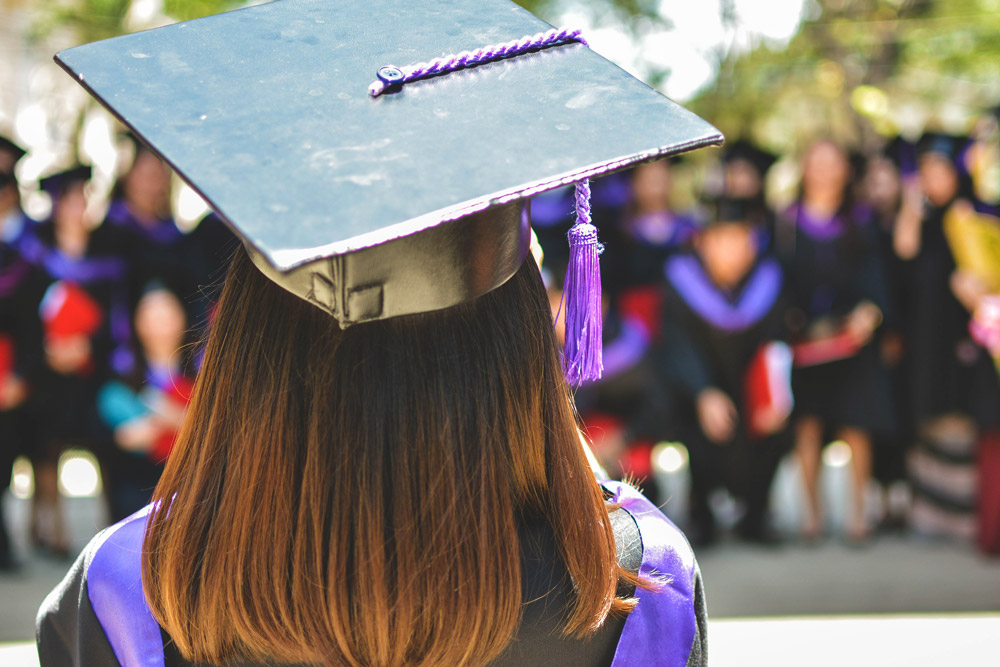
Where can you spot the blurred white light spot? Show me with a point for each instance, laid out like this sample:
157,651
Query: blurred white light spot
773,19
837,454
189,205
22,479
669,457
30,124
78,474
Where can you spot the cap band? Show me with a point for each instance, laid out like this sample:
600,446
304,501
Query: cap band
438,268
392,78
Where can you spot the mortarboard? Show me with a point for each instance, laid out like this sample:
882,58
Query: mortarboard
741,149
948,145
724,209
15,151
374,204
56,184
8,146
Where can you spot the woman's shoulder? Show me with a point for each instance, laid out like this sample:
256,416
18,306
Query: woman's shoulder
98,611
662,541
669,624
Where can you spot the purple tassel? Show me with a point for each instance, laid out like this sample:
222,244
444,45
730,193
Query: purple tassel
582,293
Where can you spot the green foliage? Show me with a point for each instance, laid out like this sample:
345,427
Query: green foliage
861,68
185,10
90,19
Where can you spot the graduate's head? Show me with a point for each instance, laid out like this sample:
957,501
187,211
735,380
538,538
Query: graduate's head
939,175
381,400
826,169
68,193
882,183
145,185
160,321
727,244
651,186
744,168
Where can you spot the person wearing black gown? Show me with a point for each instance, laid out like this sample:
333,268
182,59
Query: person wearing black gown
724,302
144,408
84,317
19,290
837,298
954,390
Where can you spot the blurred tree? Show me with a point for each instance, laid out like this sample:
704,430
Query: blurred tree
860,68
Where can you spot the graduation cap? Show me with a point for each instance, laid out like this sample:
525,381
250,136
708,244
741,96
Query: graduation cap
15,151
725,210
741,149
8,146
57,184
948,145
376,157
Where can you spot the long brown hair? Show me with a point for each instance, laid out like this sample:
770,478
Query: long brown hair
353,496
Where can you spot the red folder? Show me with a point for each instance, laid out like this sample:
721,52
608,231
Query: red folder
824,349
768,387
68,310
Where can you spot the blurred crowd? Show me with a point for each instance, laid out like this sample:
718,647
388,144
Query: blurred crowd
98,313
861,309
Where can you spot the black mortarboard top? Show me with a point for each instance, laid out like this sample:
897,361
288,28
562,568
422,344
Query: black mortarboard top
8,146
741,149
56,184
724,209
948,145
341,197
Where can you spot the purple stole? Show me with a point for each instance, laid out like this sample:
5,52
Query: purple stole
114,586
756,299
660,631
662,628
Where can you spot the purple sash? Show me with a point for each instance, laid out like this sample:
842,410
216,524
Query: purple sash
162,232
759,295
662,628
821,228
114,586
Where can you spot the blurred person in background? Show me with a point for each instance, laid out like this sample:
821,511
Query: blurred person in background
144,409
85,293
880,187
954,386
837,296
140,209
156,248
19,291
652,231
724,310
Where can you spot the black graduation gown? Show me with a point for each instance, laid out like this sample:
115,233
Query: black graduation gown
63,406
20,288
98,616
710,337
891,446
832,266
949,373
